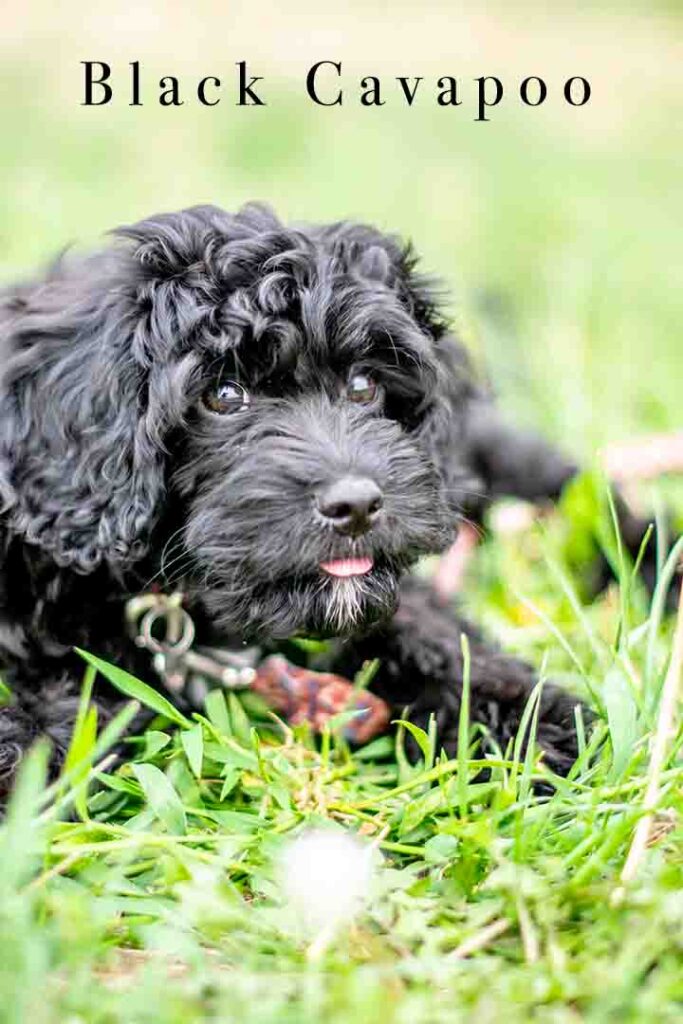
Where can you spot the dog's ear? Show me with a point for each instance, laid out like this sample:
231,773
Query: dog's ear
80,465
444,430
90,388
453,387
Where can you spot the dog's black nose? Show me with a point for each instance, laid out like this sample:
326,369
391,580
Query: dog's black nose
351,504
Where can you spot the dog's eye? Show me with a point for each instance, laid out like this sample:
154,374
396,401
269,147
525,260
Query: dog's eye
226,397
361,388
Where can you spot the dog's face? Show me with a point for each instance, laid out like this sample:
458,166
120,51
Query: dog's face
270,406
305,489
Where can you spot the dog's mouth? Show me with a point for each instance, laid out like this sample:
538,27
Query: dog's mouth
356,591
334,596
345,568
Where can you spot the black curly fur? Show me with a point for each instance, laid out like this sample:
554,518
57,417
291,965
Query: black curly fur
113,472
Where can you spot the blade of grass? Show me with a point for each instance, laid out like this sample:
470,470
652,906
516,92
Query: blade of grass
162,797
657,608
136,689
663,734
464,724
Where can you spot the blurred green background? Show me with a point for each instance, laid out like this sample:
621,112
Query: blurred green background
557,230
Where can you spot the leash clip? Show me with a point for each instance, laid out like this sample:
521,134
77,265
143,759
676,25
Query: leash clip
158,623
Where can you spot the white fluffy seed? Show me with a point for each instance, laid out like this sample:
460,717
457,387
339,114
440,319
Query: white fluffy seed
326,877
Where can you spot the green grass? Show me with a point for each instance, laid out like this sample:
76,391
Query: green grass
157,897
154,896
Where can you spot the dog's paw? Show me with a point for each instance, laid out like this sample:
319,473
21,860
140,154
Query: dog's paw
556,735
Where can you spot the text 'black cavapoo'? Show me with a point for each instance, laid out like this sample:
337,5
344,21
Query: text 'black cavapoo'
276,418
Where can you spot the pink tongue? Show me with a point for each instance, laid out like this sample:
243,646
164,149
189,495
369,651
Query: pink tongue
347,566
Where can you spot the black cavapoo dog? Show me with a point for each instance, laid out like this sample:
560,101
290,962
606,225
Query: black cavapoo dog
279,418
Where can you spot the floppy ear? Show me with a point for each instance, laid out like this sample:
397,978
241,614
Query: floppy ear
444,431
89,391
80,464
